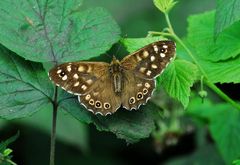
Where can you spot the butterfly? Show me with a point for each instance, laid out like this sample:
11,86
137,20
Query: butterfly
102,87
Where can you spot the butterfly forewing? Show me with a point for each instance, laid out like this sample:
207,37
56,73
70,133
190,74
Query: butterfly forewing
151,60
78,77
90,80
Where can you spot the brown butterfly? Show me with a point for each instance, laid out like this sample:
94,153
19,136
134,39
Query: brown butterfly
102,87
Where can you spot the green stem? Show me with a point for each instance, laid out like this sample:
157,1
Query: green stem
169,24
172,34
54,124
11,162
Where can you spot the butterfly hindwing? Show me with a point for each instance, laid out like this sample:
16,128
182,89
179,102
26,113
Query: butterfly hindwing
151,60
137,91
101,99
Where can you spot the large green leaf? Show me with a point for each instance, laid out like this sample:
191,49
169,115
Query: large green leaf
24,86
228,13
201,37
55,30
177,80
223,122
201,29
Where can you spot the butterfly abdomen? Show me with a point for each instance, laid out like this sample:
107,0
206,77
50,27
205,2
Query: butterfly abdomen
117,80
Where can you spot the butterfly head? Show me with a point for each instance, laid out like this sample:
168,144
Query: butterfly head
115,65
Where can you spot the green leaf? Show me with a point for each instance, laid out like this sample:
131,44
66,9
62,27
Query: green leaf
223,122
73,107
177,80
164,5
61,31
133,44
7,152
4,144
228,13
201,28
236,162
25,87
222,72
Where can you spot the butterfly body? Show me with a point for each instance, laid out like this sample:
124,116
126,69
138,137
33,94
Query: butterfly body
116,75
102,87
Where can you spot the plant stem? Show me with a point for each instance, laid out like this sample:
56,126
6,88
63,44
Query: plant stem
169,24
54,124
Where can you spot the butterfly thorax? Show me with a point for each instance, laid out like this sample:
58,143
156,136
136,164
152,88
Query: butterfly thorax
115,71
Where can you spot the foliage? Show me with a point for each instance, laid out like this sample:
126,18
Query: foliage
28,81
44,33
223,123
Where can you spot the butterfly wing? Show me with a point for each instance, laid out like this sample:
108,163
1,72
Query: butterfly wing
101,99
77,77
91,81
151,60
140,69
137,91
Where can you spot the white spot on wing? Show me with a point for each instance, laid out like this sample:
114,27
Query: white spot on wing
69,68
152,58
145,54
64,78
155,48
147,85
90,81
84,87
149,72
154,66
142,69
165,46
81,69
162,55
76,84
139,84
59,71
75,76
